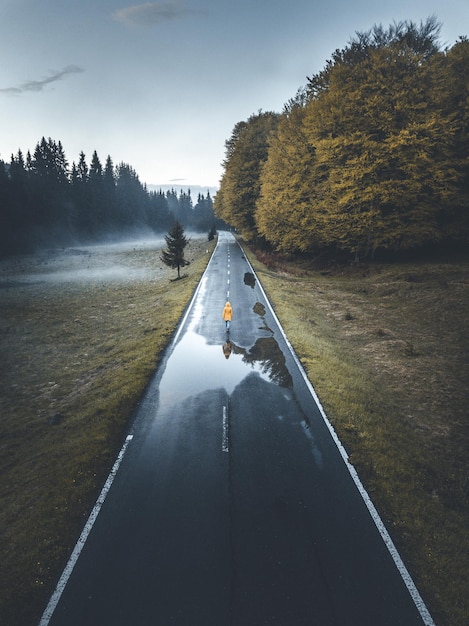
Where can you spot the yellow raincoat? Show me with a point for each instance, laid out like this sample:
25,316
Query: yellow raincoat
227,312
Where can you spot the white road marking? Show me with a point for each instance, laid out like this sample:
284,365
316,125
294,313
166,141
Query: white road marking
406,577
224,439
83,537
190,308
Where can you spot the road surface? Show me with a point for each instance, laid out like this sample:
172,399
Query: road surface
231,502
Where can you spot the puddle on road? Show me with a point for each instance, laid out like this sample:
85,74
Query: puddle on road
266,354
196,366
259,309
250,279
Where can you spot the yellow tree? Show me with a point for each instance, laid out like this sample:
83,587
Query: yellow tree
246,151
452,74
283,211
375,129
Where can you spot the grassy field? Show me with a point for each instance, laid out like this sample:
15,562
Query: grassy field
81,332
386,348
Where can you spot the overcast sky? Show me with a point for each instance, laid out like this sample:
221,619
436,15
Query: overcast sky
160,85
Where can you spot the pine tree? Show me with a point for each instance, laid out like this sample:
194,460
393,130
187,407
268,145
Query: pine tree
212,233
132,198
185,209
48,184
109,193
159,218
99,218
80,196
173,256
203,216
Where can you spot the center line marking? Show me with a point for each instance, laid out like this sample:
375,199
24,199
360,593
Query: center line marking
224,439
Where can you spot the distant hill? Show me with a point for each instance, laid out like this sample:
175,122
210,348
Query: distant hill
194,189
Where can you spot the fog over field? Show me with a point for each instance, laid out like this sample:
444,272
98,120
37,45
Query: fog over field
104,262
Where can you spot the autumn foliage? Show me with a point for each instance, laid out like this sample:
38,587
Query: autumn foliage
371,155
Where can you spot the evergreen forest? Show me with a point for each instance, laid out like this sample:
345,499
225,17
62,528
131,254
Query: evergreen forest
45,202
369,158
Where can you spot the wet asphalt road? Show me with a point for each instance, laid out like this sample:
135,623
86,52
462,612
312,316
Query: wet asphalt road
232,504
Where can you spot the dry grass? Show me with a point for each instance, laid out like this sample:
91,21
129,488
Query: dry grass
77,353
386,348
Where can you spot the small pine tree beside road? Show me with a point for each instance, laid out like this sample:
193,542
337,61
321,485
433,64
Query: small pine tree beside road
176,241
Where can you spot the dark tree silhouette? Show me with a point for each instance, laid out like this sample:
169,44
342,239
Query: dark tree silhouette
176,241
45,202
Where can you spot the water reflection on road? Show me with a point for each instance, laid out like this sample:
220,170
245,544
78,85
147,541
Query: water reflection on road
266,354
196,366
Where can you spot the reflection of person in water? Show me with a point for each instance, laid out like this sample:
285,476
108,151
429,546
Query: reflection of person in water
227,347
227,315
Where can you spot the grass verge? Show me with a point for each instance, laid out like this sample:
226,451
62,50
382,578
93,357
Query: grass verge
76,358
386,348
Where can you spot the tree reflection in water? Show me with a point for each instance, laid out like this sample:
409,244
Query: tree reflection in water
267,353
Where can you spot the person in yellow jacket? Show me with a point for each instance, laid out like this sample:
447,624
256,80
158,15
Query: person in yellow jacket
227,315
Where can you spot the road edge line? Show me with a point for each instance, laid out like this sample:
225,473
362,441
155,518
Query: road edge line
63,580
403,571
192,300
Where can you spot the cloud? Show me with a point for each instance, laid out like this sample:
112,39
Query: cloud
38,85
13,91
152,13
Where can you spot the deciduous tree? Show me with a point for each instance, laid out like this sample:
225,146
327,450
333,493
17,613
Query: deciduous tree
246,152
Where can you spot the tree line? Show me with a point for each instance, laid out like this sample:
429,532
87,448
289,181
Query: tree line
370,156
44,201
